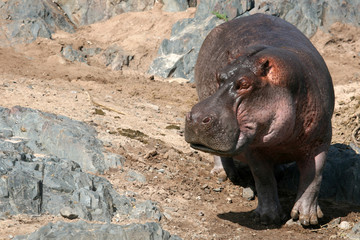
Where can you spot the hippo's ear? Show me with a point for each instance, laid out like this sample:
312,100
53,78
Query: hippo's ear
230,56
263,67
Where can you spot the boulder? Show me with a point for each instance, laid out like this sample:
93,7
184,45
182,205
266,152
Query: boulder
24,21
308,16
82,230
174,5
113,56
177,55
35,185
60,136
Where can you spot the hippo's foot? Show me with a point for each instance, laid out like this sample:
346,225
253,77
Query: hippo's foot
269,215
307,212
306,207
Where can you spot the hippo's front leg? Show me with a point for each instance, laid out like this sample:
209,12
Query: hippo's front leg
306,208
268,209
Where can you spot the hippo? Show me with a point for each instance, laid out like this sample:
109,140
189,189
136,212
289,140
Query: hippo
265,98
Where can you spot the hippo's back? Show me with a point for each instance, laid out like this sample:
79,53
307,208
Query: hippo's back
237,37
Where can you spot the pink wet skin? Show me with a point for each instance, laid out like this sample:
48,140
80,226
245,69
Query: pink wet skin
266,97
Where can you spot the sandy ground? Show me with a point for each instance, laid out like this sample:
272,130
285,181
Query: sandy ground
143,119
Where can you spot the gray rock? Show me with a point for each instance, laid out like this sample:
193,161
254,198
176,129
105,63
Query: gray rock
69,213
37,185
146,210
116,57
88,12
177,55
308,16
24,21
174,5
49,134
90,231
80,55
248,194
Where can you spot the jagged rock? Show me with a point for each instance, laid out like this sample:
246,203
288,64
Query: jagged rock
116,57
308,16
177,55
80,55
24,21
91,231
146,210
88,12
49,134
174,5
37,185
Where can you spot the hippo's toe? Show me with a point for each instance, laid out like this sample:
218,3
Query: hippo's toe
307,214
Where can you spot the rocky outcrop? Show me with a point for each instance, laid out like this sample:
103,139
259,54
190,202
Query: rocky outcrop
308,16
177,55
92,231
59,136
33,183
114,56
24,21
175,5
88,12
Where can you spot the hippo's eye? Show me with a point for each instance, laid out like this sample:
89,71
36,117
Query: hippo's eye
221,78
242,83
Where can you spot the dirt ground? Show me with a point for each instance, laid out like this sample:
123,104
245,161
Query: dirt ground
143,119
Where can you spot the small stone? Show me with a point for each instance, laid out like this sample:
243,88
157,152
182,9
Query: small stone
68,212
218,189
204,186
161,170
248,194
344,225
167,215
201,213
229,200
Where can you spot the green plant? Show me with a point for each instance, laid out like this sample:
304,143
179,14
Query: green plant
221,16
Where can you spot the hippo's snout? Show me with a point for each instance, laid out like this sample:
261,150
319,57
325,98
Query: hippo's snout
211,129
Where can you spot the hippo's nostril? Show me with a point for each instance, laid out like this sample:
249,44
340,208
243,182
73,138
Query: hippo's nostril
206,120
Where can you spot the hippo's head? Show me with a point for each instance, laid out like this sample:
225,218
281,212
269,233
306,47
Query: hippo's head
254,104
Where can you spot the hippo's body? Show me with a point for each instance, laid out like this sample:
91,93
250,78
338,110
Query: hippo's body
266,97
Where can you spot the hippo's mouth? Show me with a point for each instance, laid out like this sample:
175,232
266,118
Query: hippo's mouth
204,148
231,152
